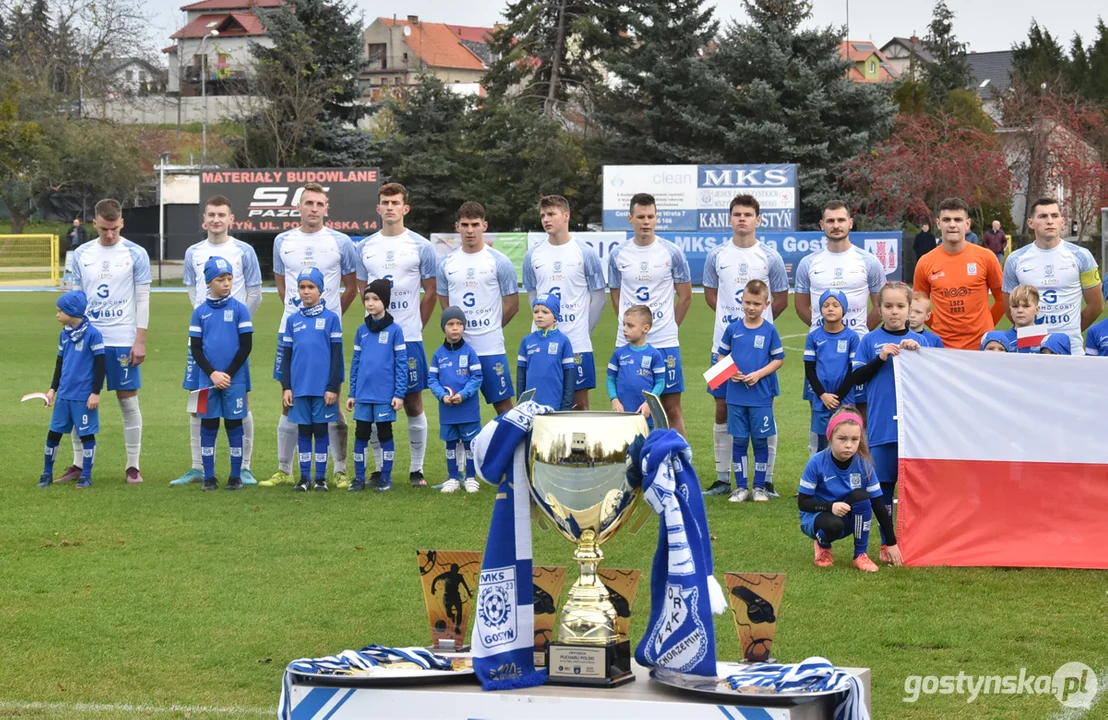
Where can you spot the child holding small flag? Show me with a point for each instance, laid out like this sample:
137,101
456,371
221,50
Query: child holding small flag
454,378
378,382
828,356
1025,336
221,337
837,490
637,367
312,341
755,349
918,315
78,379
871,367
545,361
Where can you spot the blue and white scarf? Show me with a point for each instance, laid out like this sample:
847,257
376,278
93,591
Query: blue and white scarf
815,674
683,592
314,309
75,334
349,662
504,629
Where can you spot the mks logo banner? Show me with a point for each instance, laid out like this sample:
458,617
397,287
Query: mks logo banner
697,197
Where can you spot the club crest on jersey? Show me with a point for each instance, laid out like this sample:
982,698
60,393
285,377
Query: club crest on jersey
1049,269
228,316
383,338
320,323
742,268
842,346
552,348
671,362
759,342
645,362
390,255
855,480
106,265
470,273
463,361
557,266
971,268
644,266
838,273
79,346
309,251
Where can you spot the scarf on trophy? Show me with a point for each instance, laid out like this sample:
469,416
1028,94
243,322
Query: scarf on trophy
352,662
504,628
813,675
683,592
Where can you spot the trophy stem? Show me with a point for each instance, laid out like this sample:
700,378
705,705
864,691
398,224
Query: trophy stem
588,617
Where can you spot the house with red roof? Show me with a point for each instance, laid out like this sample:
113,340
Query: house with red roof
870,64
216,40
397,51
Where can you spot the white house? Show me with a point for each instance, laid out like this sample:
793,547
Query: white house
223,29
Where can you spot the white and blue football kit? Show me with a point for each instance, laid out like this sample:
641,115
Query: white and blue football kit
728,268
545,356
477,283
1061,275
750,407
573,272
109,275
330,251
219,325
855,272
78,349
833,355
633,371
405,260
245,273
647,275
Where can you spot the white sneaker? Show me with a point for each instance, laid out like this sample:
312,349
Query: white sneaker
450,486
739,495
760,495
472,485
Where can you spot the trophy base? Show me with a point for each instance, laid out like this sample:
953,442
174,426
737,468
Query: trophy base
587,665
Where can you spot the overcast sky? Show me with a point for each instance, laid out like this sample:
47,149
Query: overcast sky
984,24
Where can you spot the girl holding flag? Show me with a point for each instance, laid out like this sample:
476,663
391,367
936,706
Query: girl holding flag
836,493
871,367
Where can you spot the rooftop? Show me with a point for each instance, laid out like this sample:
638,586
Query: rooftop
440,45
228,24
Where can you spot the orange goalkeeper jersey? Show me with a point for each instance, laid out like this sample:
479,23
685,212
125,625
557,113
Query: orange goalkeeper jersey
959,286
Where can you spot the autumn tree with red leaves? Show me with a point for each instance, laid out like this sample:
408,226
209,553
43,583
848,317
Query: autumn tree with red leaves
928,157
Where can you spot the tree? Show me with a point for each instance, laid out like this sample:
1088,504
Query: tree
928,158
428,152
552,52
308,86
786,98
663,98
1040,60
950,70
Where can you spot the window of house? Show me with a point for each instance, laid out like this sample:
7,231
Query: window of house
872,66
130,75
375,54
142,76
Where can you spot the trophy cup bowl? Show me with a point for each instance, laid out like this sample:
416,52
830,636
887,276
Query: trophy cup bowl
577,472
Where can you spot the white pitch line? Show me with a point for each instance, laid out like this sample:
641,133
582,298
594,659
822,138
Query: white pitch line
16,705
1075,713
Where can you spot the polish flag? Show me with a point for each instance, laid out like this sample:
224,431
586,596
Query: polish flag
1002,460
1031,336
721,372
198,401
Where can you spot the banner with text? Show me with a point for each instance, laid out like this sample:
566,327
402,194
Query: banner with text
265,200
693,198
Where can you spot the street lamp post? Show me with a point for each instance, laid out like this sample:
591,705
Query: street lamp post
204,97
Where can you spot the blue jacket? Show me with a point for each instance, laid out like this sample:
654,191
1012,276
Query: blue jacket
456,367
378,347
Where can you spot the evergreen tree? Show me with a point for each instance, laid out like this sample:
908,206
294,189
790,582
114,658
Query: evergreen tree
788,99
1092,80
308,80
665,93
950,71
1040,60
427,153
552,51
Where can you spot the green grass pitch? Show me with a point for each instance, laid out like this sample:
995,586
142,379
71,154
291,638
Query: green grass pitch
151,597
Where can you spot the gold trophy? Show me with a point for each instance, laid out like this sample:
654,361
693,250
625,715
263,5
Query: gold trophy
577,469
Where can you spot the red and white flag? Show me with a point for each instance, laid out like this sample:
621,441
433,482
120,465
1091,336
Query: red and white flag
1002,460
721,372
1031,336
198,401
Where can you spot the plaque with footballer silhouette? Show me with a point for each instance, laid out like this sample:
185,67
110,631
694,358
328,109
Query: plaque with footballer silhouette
449,579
